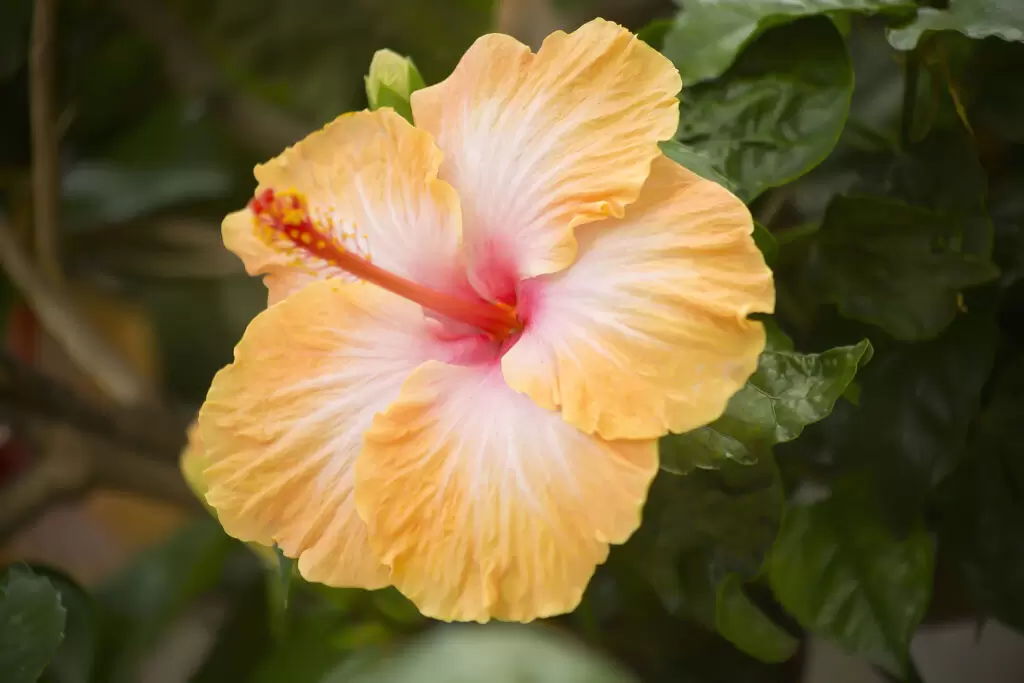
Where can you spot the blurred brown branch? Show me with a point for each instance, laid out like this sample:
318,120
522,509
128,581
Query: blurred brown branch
59,317
45,174
79,448
71,462
261,126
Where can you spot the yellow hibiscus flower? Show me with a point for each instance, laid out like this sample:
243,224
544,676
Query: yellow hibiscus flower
479,328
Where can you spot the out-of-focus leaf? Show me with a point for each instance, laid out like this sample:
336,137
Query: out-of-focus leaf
708,34
241,638
654,33
497,654
140,603
172,157
746,626
285,573
306,654
778,112
982,505
788,392
843,574
897,266
76,655
32,622
974,18
197,323
765,241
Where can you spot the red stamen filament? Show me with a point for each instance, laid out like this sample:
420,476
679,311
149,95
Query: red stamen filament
286,214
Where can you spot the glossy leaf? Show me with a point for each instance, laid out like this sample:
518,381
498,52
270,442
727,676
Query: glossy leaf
897,266
778,112
842,573
788,392
496,654
32,622
974,18
708,34
747,627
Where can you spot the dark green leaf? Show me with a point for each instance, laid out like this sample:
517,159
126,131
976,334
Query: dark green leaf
974,18
699,163
778,112
285,572
747,627
708,34
75,658
140,603
242,637
654,33
496,654
897,266
842,573
982,505
702,535
788,392
765,241
32,622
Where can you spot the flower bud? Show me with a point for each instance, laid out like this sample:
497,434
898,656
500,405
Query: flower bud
391,81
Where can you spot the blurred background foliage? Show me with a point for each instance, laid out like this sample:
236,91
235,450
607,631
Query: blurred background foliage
869,478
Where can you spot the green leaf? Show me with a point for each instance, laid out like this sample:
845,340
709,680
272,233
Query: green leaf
897,266
75,658
973,18
654,33
141,602
285,572
765,241
981,510
702,535
708,34
843,574
32,621
778,112
493,653
788,392
699,163
747,627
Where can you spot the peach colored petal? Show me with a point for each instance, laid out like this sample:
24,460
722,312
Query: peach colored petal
648,332
486,506
536,145
283,424
371,182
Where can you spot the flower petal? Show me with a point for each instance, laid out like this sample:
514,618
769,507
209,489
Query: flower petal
648,332
485,505
370,180
539,144
283,424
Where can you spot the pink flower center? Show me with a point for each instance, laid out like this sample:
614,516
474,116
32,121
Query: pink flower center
287,214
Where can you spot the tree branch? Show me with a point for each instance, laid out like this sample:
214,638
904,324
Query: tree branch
59,316
45,175
70,463
257,124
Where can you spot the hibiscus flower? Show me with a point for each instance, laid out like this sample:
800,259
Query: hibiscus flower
479,328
